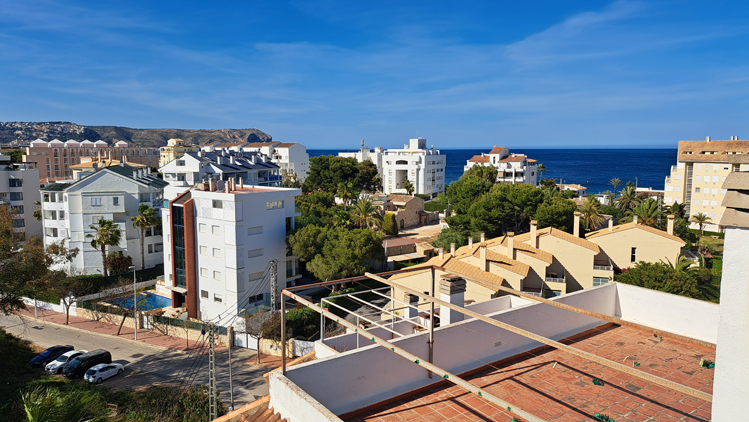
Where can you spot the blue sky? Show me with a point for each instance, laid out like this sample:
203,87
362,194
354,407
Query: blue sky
328,74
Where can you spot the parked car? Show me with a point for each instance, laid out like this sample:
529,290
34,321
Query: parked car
103,371
82,363
49,355
57,365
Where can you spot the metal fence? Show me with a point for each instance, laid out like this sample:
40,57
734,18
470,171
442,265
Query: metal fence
191,325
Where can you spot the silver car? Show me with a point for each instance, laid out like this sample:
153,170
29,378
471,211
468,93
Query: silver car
102,371
57,365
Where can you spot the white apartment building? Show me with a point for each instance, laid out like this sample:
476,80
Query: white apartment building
511,168
54,158
697,178
112,193
289,156
221,238
198,167
375,156
19,189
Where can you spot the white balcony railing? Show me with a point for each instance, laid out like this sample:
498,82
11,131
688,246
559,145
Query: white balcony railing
603,267
555,279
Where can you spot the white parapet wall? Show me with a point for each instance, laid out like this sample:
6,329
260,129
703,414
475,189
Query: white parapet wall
371,374
676,314
294,404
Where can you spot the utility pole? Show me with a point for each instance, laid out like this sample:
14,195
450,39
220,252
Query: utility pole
135,305
211,373
273,285
231,385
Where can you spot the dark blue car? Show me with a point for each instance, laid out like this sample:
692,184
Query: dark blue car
49,355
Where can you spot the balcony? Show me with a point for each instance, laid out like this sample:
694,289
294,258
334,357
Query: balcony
603,264
553,277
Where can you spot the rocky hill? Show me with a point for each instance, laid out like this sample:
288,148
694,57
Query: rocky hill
21,133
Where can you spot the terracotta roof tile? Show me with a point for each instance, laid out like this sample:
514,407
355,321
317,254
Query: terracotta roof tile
559,234
285,145
628,226
721,149
229,144
457,267
527,249
479,159
400,198
496,150
512,159
260,144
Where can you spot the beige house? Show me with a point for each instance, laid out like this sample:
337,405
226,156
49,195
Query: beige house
175,148
408,210
630,243
697,178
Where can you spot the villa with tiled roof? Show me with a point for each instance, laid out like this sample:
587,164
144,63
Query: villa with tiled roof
511,168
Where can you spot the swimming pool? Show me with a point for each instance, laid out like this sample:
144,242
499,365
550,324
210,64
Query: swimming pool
146,301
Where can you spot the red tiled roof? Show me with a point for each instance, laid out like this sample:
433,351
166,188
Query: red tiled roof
398,241
512,159
285,145
623,227
260,144
229,144
479,159
496,150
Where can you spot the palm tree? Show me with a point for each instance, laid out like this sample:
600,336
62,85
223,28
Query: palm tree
615,183
408,186
681,265
591,215
540,169
676,209
366,214
627,199
701,219
647,213
346,192
107,234
342,219
146,218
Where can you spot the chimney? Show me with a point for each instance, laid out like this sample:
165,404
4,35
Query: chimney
452,250
708,139
441,254
452,290
226,186
611,224
413,300
634,219
470,243
483,237
211,185
482,257
124,158
241,183
576,225
534,234
511,245
670,229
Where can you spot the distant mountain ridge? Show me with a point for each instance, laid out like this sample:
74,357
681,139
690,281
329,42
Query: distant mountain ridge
21,133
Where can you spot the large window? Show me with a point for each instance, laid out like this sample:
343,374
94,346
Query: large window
217,203
634,254
272,205
254,230
600,281
254,252
15,183
95,202
178,234
16,196
17,208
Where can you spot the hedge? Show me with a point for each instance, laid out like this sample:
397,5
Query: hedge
435,206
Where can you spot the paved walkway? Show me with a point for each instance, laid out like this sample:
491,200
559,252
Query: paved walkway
144,336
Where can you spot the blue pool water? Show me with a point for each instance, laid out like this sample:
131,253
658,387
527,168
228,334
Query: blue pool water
146,301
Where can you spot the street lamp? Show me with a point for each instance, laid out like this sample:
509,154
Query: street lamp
135,303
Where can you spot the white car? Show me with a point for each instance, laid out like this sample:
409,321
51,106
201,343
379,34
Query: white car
102,371
57,365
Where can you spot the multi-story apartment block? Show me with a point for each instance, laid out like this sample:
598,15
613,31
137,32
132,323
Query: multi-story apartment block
54,158
221,240
696,179
423,167
175,148
511,168
375,156
19,189
289,156
198,167
112,193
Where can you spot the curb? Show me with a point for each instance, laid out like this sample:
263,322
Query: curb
97,333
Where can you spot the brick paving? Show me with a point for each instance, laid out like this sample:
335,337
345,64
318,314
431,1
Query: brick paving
566,393
144,336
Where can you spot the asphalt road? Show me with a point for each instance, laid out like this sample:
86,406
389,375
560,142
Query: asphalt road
146,364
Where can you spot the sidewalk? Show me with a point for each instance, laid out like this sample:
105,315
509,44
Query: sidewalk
144,336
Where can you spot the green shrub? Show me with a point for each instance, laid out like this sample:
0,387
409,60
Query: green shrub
390,225
423,196
435,206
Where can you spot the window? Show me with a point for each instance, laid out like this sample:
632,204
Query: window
272,205
256,276
96,202
17,208
716,178
62,215
255,299
254,230
217,298
216,253
677,188
712,215
705,202
254,252
707,166
215,229
204,294
713,203
634,255
698,166
725,167
116,201
714,191
150,248
217,203
204,250
158,247
15,183
600,281
722,191
698,178
696,190
677,177
95,219
217,275
202,227
204,272
16,196
19,222
180,163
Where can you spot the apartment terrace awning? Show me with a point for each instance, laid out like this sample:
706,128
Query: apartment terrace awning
177,289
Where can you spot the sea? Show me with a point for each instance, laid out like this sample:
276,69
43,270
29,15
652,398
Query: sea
592,168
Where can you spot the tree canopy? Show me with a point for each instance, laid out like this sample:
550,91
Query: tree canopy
328,172
675,278
488,173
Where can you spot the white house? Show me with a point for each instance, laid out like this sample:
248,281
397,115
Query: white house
19,189
221,239
198,167
113,193
289,156
511,168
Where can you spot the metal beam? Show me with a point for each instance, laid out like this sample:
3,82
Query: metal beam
448,376
362,317
533,336
604,317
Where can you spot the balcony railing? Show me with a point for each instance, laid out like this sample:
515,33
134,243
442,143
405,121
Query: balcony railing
556,279
603,267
